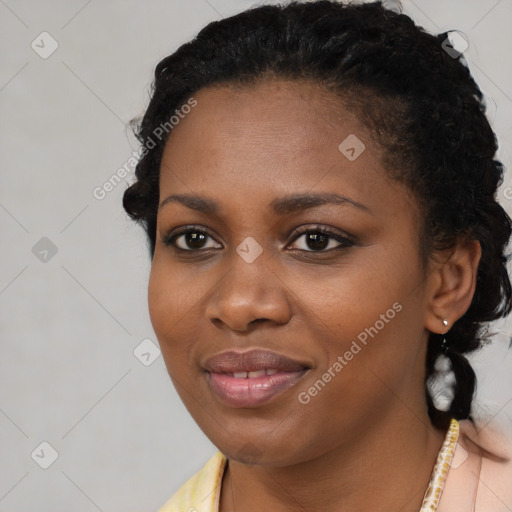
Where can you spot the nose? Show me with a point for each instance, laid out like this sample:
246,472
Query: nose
247,295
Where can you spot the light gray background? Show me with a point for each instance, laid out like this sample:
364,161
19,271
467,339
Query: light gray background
69,325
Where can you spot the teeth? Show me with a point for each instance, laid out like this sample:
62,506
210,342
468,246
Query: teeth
259,373
255,374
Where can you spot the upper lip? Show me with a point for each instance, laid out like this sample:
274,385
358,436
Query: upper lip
250,361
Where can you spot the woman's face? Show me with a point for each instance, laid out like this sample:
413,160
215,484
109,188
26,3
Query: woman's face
256,171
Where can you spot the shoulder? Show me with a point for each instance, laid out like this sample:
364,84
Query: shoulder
493,439
201,491
480,474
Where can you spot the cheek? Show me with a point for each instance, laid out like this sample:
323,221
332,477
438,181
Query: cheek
370,314
159,299
166,309
351,296
172,295
176,302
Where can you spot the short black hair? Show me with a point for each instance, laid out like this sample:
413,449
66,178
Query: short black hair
421,105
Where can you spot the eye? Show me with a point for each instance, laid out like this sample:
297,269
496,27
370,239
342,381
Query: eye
190,239
321,239
316,239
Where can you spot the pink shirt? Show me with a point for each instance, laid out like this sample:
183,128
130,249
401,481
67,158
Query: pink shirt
480,476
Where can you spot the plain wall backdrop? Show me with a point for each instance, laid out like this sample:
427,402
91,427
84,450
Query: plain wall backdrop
74,268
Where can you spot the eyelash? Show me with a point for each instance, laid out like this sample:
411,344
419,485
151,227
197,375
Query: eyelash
345,241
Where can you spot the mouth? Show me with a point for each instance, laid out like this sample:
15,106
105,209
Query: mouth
253,378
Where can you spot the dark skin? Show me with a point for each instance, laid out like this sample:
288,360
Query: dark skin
365,442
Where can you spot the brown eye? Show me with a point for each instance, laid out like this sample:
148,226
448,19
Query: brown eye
194,240
322,240
191,240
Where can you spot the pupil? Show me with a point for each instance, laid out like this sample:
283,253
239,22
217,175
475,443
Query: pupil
195,240
319,241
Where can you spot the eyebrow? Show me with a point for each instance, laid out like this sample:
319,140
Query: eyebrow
286,205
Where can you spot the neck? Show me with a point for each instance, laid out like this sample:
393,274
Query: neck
365,474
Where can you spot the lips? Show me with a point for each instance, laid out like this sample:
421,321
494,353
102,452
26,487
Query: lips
251,379
252,361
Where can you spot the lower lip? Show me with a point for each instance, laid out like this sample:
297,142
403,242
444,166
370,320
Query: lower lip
251,392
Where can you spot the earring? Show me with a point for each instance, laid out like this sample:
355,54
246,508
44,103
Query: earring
444,346
444,343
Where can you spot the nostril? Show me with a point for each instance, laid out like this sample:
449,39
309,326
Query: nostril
257,320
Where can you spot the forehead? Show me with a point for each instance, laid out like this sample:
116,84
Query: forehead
288,115
272,138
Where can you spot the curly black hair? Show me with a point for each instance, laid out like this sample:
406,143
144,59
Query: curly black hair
421,105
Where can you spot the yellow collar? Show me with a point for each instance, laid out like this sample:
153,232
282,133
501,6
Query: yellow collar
441,468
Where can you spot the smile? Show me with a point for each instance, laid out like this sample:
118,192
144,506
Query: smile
251,379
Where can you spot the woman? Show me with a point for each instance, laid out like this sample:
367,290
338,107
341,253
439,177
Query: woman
319,195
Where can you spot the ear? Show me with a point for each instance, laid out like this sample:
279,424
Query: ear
451,284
